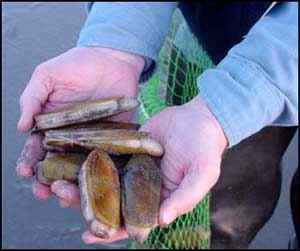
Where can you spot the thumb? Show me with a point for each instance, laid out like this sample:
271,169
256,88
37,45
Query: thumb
194,186
150,126
32,99
30,107
158,125
154,126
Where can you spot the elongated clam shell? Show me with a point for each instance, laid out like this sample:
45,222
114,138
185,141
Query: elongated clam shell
116,141
84,112
103,125
141,185
97,125
59,167
100,194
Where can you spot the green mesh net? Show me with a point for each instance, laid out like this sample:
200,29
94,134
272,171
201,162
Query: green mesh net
181,61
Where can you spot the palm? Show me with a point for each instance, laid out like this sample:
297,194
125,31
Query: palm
79,74
193,147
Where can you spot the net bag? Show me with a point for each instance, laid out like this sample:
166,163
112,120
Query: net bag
181,61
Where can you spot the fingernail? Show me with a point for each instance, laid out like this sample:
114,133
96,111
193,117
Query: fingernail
20,125
23,125
59,188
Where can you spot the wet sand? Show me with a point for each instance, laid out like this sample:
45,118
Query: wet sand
32,33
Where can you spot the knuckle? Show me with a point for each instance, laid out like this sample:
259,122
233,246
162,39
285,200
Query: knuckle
43,76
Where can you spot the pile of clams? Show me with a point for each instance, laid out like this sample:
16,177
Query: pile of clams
112,162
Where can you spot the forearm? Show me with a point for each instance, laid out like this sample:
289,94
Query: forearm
138,28
256,84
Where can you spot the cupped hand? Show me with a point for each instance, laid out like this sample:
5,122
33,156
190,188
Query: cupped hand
80,74
194,142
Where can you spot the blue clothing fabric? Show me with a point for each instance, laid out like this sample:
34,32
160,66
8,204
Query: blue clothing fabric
138,28
254,86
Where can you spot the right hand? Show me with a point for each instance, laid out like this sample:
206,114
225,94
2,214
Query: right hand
79,74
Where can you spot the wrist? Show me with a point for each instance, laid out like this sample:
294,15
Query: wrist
136,62
198,105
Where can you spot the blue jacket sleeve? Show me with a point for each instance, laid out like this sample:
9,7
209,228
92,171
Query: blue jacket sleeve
256,84
136,27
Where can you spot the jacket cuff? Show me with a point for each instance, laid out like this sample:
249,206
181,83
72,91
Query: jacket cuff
124,26
240,96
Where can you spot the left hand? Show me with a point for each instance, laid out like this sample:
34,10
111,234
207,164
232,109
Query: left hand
194,142
80,74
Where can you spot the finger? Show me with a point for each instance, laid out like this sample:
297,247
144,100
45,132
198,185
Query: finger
33,98
40,191
66,204
89,238
172,171
194,186
31,154
156,126
66,191
63,203
168,183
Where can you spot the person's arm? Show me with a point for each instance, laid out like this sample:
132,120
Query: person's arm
135,27
256,84
99,70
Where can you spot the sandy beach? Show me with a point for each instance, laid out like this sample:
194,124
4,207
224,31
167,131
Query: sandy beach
32,33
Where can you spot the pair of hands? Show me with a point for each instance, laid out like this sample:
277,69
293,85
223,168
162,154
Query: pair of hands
191,136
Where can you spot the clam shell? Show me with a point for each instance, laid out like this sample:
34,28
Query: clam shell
103,125
63,166
100,194
97,125
115,141
141,185
84,112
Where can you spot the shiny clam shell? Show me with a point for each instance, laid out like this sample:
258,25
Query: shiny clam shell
141,185
115,141
62,166
100,194
84,112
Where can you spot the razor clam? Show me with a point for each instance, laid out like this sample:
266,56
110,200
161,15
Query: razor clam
102,124
141,185
115,141
84,112
100,194
62,166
